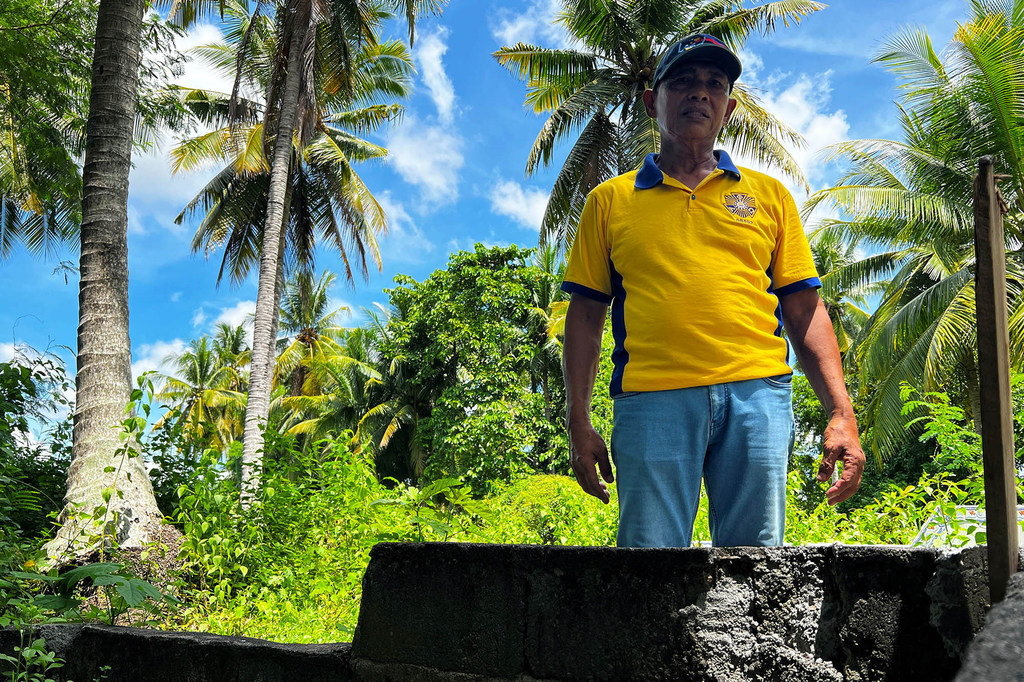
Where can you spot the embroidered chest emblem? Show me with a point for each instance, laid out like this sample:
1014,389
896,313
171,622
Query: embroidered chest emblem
740,205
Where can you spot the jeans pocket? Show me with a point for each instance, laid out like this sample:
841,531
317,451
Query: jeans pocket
625,394
779,381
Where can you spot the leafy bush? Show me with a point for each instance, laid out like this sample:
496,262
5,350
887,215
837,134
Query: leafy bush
290,566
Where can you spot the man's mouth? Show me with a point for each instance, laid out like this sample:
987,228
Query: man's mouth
696,113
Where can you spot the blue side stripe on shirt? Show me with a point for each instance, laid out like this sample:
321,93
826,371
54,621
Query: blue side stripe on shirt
778,310
620,356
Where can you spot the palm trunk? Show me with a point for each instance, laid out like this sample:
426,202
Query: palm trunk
103,378
267,299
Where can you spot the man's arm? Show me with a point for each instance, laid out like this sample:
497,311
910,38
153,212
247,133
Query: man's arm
810,329
581,352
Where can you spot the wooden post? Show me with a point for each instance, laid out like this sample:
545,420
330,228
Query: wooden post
994,377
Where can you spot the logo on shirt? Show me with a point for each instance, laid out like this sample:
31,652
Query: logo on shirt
740,205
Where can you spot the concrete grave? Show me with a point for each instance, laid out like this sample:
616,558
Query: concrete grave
829,612
433,612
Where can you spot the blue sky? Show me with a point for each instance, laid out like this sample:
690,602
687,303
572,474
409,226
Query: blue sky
455,174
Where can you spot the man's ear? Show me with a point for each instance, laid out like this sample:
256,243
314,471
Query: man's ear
729,108
649,103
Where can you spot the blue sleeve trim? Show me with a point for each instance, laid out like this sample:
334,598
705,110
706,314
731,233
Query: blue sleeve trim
810,283
574,288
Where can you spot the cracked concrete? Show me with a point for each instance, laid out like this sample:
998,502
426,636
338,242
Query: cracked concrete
827,612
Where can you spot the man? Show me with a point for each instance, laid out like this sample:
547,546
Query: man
703,263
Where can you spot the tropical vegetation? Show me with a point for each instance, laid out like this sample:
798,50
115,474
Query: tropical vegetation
440,416
911,200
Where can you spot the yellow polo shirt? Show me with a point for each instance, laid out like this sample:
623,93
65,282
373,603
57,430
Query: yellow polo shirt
693,276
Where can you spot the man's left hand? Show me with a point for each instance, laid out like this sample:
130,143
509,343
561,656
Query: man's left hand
842,443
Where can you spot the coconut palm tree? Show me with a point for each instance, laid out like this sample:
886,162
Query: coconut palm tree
103,377
343,375
396,405
313,73
546,322
913,198
232,350
201,396
311,330
846,304
594,91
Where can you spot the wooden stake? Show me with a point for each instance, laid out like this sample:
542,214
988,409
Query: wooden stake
994,377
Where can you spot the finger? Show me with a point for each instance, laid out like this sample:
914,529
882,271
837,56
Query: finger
846,486
605,466
828,464
586,476
839,492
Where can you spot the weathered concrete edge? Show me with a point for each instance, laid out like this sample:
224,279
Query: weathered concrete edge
372,671
997,653
136,654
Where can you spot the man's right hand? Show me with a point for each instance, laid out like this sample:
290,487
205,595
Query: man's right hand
587,449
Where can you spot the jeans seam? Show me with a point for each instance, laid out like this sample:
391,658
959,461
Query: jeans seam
711,419
712,517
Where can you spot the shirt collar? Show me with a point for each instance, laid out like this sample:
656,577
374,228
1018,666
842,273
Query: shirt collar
650,175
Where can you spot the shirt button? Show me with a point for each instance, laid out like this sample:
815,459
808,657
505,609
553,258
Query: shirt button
693,196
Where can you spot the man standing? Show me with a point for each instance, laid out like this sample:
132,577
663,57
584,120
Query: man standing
703,263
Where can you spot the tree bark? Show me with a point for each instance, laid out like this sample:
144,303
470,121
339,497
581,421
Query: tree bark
267,298
103,378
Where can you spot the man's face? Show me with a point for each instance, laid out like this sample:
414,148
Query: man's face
692,103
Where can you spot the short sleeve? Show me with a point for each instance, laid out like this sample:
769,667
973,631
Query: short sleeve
792,264
588,270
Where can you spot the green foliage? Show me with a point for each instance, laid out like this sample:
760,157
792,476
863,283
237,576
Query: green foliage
31,662
31,480
476,397
291,565
912,199
120,591
548,509
897,514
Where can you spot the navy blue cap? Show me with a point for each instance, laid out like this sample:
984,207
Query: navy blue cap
698,46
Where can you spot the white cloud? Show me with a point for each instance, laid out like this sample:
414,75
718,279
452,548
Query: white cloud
175,297
7,352
469,244
536,25
525,207
802,102
405,242
151,179
152,182
429,157
238,314
752,65
346,311
198,317
154,356
196,73
429,51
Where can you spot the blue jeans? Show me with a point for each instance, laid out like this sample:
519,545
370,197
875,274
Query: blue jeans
737,435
